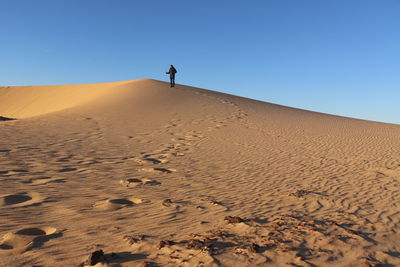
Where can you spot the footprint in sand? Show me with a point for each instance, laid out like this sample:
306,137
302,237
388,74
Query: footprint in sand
150,158
27,238
157,158
136,182
153,160
158,170
20,199
118,203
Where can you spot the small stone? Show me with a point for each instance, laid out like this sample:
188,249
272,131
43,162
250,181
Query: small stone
167,202
216,234
370,262
254,248
199,244
96,257
193,235
299,193
164,243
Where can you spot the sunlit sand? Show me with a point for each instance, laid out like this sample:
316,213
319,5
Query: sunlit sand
184,176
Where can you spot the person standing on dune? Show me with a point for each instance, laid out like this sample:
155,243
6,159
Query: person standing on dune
171,73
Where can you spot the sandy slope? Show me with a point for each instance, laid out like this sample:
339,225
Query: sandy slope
122,166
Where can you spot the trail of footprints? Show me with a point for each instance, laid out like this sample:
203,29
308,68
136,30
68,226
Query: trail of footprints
152,163
112,204
134,182
156,163
237,115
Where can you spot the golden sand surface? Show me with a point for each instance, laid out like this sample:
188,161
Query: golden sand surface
159,176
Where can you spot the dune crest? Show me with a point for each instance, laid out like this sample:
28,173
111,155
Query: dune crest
135,173
30,101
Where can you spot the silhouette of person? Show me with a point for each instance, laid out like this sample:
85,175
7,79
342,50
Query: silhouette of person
171,73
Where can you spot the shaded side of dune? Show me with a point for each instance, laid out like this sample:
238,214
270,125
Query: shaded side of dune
6,119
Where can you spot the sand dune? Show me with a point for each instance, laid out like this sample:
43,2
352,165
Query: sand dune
159,176
30,101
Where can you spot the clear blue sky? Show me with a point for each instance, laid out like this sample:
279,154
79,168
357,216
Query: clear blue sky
340,57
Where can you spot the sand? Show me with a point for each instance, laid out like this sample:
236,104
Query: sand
150,175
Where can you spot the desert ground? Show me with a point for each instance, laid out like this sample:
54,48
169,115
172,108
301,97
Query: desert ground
159,176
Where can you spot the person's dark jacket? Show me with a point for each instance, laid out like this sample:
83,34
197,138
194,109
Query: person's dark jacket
172,71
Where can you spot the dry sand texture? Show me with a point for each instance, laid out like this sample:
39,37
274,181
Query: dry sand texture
151,174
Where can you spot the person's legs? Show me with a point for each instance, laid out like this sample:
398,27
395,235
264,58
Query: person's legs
170,81
173,81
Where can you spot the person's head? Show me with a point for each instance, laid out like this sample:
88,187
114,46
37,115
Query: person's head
172,65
